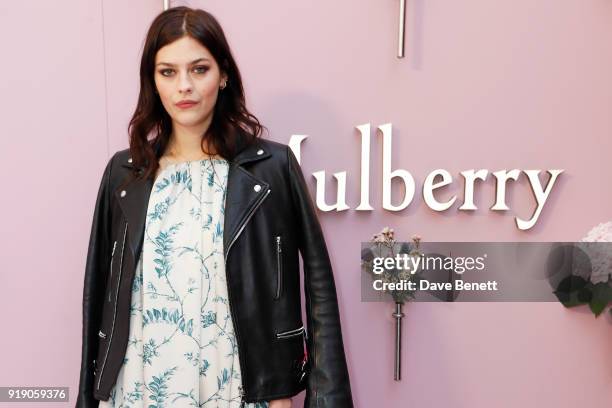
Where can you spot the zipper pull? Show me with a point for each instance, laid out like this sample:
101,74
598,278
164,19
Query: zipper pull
242,401
278,244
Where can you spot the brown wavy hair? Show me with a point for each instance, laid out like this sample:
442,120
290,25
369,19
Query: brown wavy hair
232,128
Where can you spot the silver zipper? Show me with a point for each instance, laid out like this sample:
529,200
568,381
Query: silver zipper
101,335
290,333
279,267
110,279
245,222
115,308
229,298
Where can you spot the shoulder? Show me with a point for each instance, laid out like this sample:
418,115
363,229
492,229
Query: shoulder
263,152
282,152
121,163
273,147
122,156
119,166
282,156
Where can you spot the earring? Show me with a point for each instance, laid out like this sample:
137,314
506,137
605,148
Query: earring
224,85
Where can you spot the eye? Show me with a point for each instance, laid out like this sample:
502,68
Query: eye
201,69
164,70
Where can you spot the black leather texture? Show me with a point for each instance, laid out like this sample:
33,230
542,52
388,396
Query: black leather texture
266,229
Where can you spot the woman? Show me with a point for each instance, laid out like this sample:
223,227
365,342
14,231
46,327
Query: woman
192,284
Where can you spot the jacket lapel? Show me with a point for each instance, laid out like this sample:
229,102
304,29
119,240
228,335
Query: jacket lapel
133,200
241,197
244,192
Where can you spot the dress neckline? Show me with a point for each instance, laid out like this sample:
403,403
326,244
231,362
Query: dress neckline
180,164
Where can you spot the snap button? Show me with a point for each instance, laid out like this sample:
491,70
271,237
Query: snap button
260,152
257,187
123,193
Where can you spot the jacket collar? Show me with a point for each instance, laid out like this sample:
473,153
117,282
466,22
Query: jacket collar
244,192
247,154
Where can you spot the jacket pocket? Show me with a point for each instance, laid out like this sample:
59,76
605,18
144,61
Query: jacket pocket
110,273
279,268
291,333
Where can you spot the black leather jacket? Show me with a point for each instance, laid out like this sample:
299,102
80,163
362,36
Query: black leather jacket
269,217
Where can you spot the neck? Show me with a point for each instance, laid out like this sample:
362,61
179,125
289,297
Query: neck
186,142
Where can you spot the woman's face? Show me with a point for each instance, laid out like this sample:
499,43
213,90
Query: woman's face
185,70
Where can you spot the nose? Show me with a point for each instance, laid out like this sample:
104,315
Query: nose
185,83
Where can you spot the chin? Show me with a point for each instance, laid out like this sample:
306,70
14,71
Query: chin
187,116
187,122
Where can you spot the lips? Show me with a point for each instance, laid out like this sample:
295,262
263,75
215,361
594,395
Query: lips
186,104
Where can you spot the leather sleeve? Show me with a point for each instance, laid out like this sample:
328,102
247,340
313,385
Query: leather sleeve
93,289
328,382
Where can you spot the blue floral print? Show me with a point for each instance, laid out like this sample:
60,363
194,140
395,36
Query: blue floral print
182,350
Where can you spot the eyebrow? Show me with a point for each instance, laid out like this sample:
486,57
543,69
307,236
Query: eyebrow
192,62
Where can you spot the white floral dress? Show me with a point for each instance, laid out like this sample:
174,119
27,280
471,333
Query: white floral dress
182,350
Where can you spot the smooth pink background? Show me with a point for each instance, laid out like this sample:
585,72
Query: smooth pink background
484,84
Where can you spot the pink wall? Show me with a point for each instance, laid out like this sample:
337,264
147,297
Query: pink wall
485,84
